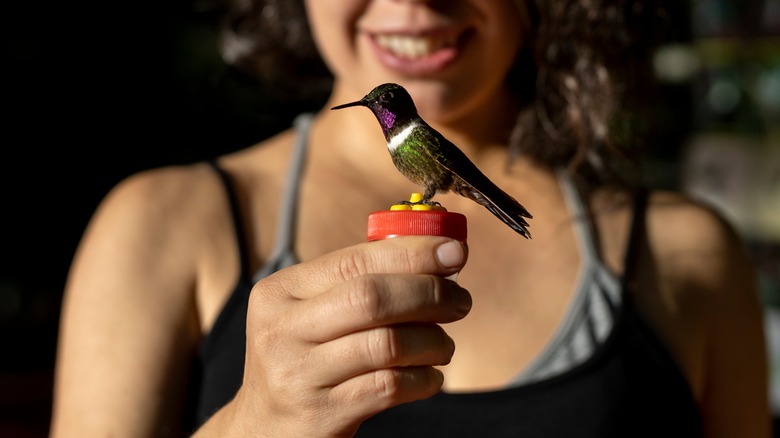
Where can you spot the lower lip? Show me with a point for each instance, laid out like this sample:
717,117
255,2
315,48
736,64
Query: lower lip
430,64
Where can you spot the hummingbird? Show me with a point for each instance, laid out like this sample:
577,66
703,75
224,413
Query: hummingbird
428,159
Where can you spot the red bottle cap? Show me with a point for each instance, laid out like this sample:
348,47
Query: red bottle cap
385,224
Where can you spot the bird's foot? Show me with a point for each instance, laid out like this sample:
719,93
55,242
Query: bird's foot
420,202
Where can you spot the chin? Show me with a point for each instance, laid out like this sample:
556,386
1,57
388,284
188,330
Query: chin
435,100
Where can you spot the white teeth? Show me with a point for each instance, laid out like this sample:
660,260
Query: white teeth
413,47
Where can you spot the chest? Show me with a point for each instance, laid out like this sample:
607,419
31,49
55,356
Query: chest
521,292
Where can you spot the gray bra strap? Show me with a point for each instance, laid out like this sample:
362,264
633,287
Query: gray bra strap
585,233
591,313
283,254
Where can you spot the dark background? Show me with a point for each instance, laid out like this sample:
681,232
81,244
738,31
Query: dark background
95,91
92,92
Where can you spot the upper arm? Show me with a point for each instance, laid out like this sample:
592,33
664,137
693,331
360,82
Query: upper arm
716,283
128,320
735,402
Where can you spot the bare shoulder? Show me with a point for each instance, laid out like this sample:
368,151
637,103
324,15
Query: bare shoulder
170,199
161,201
150,227
694,244
708,310
145,191
264,163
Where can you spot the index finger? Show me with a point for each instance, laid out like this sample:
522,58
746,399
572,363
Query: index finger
402,255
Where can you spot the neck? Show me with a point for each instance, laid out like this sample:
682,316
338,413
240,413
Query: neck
484,127
352,133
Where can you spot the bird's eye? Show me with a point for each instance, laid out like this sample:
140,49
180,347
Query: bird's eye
384,98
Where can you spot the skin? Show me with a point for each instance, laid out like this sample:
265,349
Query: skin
358,327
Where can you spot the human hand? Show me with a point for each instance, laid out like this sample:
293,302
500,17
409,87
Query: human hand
332,341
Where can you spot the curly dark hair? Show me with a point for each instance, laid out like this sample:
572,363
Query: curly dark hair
271,40
581,78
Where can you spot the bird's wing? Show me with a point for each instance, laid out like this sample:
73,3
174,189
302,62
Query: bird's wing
446,153
453,159
470,182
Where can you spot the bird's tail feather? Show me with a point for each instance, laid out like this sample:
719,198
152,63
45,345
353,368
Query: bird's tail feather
506,208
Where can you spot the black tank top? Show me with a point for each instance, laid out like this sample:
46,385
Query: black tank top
629,387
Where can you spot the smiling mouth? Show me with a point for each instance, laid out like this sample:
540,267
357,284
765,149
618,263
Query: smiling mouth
415,47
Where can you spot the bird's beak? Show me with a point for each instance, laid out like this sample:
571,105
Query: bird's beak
347,105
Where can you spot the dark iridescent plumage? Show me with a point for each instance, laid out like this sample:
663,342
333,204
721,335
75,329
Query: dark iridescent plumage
428,159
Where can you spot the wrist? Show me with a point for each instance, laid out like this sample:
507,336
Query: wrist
226,423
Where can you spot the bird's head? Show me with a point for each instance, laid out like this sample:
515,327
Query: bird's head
390,103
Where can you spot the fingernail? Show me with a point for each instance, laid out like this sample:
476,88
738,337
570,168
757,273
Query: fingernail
450,254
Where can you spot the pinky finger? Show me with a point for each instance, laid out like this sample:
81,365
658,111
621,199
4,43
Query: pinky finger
368,394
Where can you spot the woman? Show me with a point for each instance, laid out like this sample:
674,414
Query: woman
625,315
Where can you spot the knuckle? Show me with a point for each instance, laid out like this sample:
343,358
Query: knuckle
350,265
266,336
383,347
364,297
268,293
435,288
387,384
407,260
258,296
